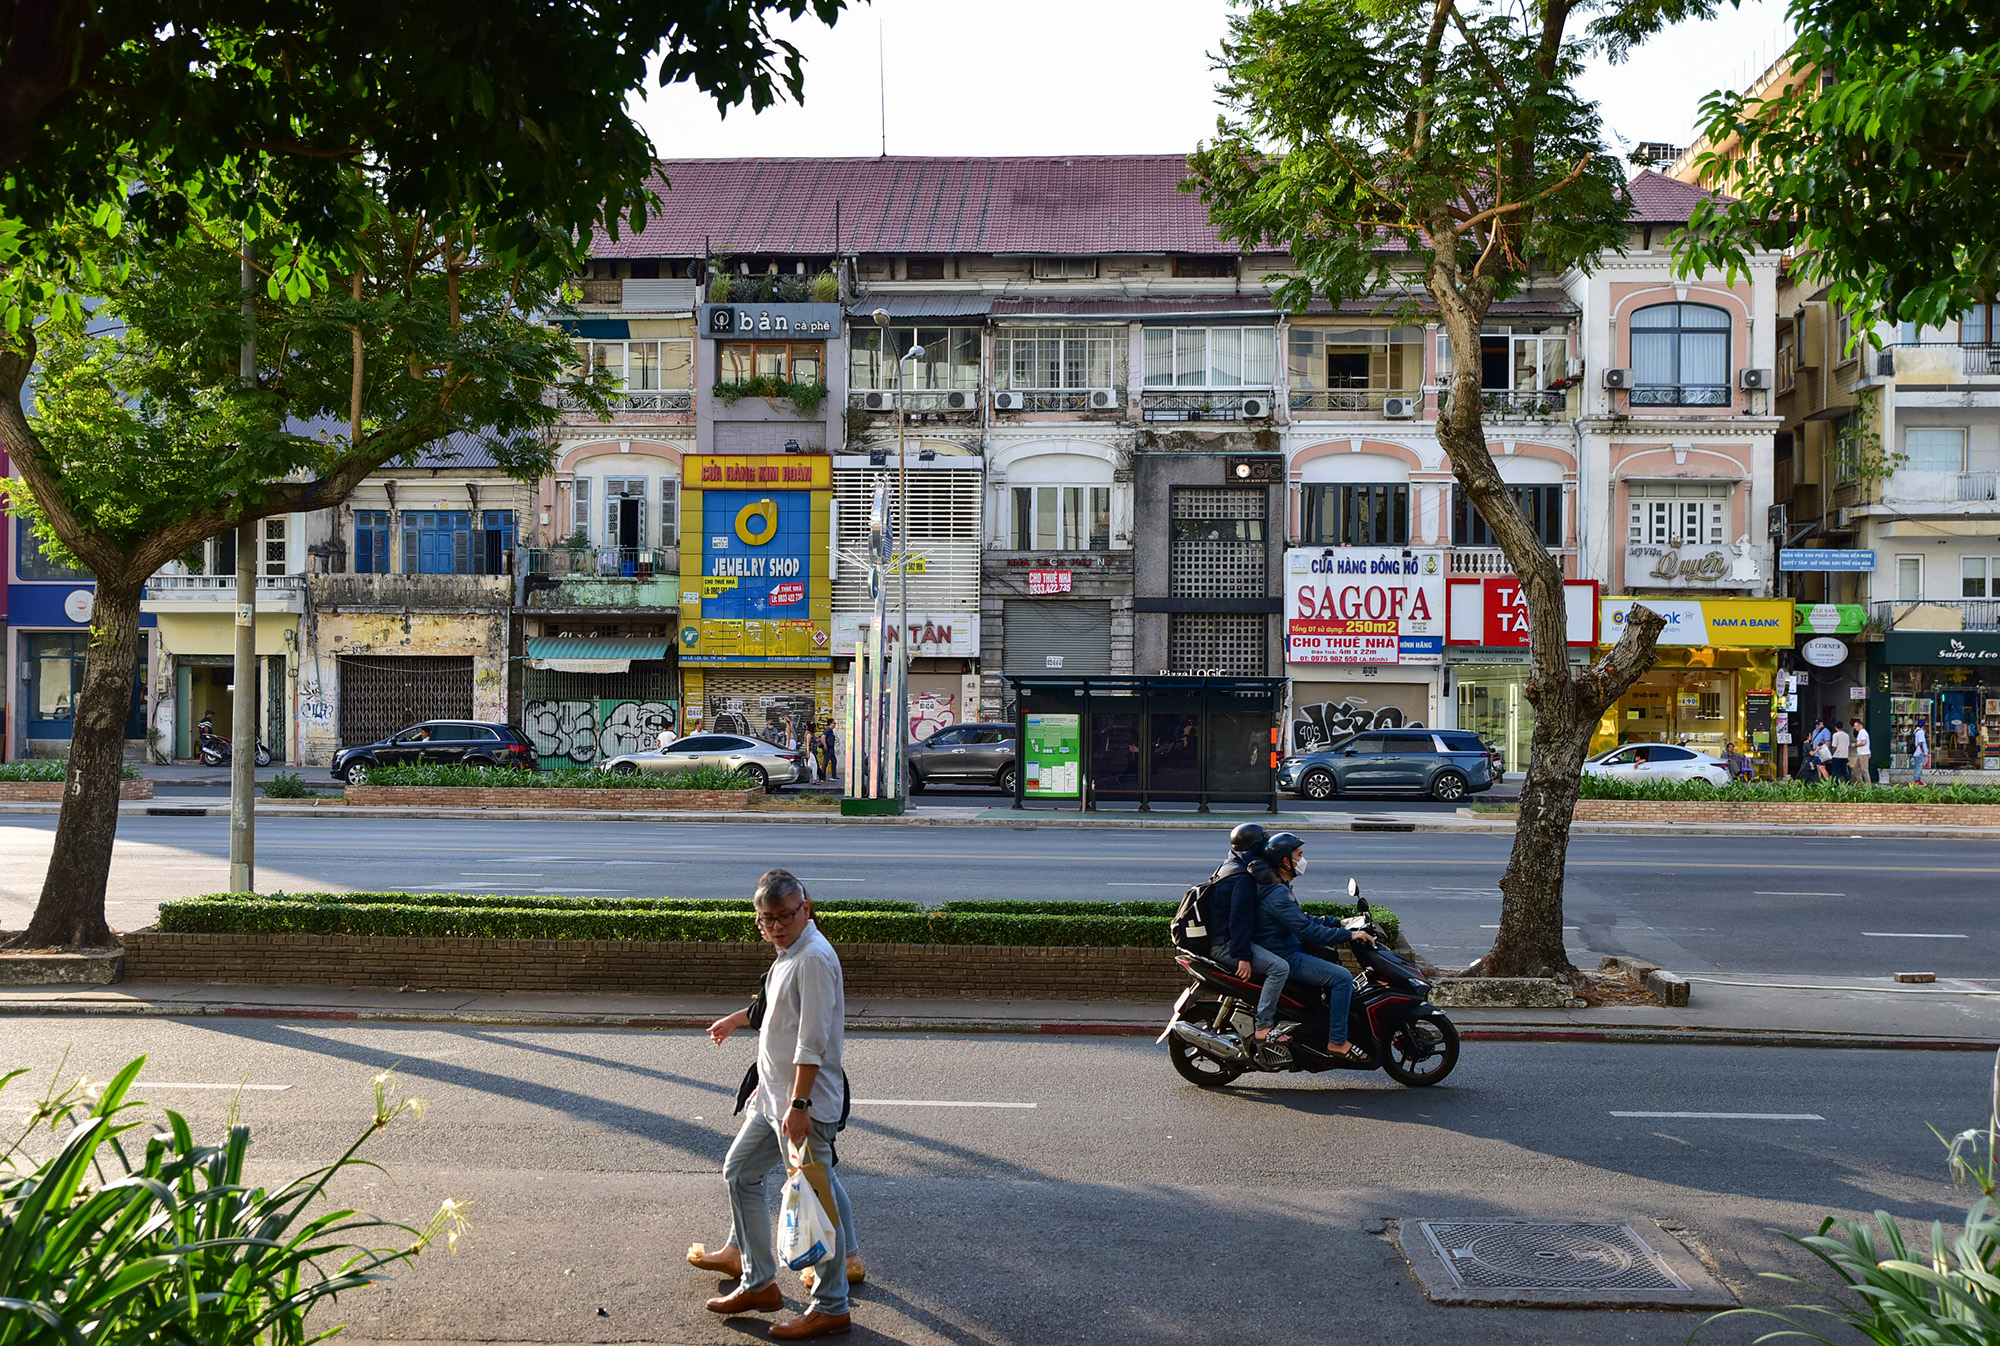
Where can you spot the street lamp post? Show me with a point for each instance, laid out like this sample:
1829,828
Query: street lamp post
901,699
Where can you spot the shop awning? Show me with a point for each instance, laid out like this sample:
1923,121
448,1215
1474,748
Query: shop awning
577,654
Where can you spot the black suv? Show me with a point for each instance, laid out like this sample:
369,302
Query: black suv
964,754
473,742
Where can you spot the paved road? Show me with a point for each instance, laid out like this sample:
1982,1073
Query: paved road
1123,1205
1827,905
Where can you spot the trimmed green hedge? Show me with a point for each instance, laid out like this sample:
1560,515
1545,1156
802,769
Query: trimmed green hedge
860,920
572,778
1789,792
53,769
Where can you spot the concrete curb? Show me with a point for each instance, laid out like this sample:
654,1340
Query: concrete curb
1029,821
1625,1035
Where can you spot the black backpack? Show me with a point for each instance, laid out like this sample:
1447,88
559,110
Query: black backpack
1201,922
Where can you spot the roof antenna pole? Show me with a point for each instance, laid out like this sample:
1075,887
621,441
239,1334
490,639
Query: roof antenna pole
882,83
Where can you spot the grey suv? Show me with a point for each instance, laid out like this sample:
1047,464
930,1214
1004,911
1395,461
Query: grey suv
964,754
1444,764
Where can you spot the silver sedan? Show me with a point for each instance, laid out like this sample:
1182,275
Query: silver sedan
765,763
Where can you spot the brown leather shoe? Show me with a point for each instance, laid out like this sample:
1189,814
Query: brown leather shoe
812,1323
764,1299
857,1272
724,1261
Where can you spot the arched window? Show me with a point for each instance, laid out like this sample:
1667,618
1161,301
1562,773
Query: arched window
1680,356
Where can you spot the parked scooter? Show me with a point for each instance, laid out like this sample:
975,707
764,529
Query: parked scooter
1210,1037
216,750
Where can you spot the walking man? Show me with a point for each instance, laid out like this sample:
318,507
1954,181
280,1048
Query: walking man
800,1097
1860,767
1920,751
1842,745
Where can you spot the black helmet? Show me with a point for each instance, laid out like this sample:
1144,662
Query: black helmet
1246,837
1281,844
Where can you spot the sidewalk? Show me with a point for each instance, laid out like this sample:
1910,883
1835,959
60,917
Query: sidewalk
1726,1011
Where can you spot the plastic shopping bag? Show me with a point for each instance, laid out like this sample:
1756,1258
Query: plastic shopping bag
806,1234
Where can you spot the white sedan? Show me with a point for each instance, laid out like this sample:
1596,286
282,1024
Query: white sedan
1658,761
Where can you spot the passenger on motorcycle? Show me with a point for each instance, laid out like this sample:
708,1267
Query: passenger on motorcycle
1283,927
1246,875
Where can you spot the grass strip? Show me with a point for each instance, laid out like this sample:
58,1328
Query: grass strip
1787,792
452,775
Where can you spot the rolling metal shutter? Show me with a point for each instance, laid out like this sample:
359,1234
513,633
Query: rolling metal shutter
380,694
1076,631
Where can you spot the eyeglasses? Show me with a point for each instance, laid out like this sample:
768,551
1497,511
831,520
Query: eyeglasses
774,920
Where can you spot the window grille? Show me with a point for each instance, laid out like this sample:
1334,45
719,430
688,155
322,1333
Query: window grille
944,530
1223,643
1218,544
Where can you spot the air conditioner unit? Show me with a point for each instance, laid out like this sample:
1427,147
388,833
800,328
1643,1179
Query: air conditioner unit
1754,379
1009,401
878,401
962,399
1256,408
1618,378
1399,408
1103,399
1842,517
1574,366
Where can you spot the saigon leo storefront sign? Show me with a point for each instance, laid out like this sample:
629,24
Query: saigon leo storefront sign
1363,605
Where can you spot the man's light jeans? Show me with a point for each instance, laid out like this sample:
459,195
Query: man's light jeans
1274,970
757,1150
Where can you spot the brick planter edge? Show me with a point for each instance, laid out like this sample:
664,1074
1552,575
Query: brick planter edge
51,791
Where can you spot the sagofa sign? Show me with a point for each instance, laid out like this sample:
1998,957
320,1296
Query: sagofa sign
1742,623
754,532
1360,605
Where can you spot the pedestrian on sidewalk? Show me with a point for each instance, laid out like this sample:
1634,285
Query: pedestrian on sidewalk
826,739
1840,746
1920,752
1858,769
800,1097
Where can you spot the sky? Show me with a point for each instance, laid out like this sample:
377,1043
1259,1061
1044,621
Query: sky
1107,77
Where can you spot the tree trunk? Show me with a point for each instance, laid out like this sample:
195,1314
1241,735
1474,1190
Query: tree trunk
1567,706
71,911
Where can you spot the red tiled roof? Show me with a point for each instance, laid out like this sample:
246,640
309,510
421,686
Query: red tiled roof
1079,205
1659,199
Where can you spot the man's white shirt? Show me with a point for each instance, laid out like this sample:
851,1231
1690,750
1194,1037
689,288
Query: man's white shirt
805,1023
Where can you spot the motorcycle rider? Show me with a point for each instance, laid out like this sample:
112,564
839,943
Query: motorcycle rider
1283,927
1246,874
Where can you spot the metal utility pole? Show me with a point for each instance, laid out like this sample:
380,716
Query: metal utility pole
243,701
903,587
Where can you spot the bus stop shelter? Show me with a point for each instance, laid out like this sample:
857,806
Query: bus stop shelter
1162,739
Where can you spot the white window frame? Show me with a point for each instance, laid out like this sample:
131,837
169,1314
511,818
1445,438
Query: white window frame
272,534
1988,567
1660,514
1550,341
1912,565
954,376
1070,530
579,494
1166,350
1909,448
670,512
616,357
1096,343
1065,268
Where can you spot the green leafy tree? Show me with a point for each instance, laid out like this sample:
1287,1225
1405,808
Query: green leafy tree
1433,155
1878,167
140,439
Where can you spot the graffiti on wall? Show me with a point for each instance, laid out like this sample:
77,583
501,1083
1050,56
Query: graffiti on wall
930,712
578,733
1317,725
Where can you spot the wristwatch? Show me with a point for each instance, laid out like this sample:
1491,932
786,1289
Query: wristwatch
801,1104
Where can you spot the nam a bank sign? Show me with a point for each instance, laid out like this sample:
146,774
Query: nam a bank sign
1740,623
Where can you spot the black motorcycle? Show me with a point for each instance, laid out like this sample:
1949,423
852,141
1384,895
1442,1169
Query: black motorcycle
1211,1035
216,750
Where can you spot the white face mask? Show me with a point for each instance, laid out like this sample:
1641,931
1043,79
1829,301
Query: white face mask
1299,866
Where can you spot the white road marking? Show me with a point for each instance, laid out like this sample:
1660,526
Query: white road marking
1905,934
1145,885
824,879
932,1103
1481,891
254,1088
1732,1116
482,873
1761,892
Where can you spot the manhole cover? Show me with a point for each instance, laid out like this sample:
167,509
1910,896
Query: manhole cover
1518,1255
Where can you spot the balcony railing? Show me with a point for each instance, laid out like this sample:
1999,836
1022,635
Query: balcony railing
1513,404
413,592
1936,362
218,588
1681,395
920,401
1070,399
1941,487
657,400
1200,406
1491,560
602,562
1367,401
1964,614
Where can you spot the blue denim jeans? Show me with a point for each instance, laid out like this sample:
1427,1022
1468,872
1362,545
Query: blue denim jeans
758,1149
1274,970
1340,990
